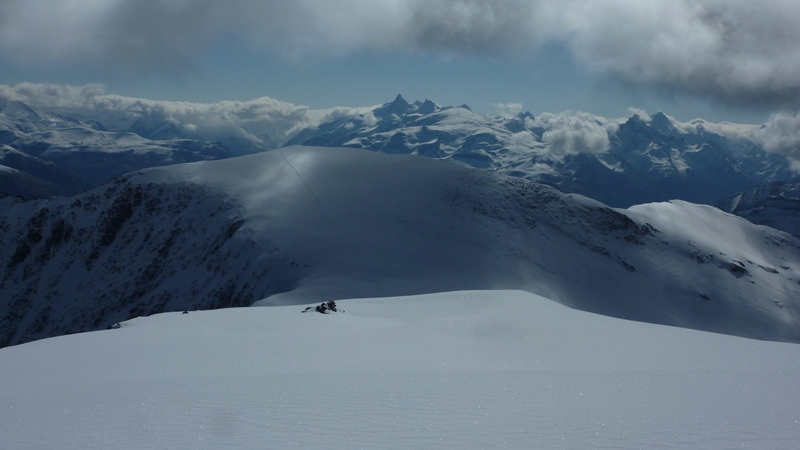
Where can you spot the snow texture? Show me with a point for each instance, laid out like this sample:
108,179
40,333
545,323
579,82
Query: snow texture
453,370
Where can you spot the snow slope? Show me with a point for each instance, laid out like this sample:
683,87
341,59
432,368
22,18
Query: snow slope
495,369
776,205
304,224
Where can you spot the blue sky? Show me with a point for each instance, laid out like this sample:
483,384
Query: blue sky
720,60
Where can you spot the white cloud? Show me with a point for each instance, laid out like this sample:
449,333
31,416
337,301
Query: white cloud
574,132
641,113
251,119
781,134
508,110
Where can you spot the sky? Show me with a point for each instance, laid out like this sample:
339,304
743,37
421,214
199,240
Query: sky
722,60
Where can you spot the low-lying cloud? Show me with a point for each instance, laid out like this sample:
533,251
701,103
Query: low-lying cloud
261,120
734,51
574,132
781,134
508,110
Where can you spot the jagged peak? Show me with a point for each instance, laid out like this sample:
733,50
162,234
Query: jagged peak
398,106
525,115
399,100
661,123
427,107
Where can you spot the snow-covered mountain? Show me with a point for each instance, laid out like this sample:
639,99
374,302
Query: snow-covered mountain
499,369
620,163
44,154
776,205
303,224
69,141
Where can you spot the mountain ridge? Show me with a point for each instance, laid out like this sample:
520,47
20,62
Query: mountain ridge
297,225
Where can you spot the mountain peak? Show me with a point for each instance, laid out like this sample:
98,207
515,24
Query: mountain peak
661,123
427,107
399,100
398,106
525,115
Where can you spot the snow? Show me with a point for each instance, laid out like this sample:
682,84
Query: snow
470,369
306,224
9,170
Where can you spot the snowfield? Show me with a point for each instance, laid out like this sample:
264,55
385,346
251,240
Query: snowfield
470,369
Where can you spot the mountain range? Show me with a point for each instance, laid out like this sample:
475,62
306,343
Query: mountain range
45,154
50,150
102,221
621,164
305,224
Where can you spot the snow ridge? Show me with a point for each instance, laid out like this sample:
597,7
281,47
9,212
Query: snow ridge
305,224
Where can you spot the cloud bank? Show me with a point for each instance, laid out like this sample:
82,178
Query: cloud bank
734,51
266,121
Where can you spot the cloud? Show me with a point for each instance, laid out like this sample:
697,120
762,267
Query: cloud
131,33
641,113
508,110
574,132
734,51
259,120
781,134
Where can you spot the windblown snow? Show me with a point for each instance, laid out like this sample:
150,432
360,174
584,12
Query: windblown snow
502,369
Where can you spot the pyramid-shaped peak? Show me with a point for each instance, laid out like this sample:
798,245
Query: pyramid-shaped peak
399,100
399,106
661,123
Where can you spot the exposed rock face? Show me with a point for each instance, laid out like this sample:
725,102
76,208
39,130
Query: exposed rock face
124,250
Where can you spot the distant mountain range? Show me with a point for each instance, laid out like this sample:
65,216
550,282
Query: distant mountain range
45,154
50,151
305,224
643,160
